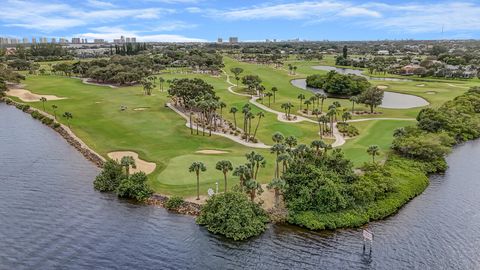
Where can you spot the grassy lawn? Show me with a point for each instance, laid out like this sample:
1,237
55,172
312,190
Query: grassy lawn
161,136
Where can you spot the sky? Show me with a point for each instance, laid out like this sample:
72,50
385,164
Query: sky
207,20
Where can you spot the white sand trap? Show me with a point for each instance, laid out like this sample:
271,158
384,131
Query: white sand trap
383,87
141,109
420,85
98,102
211,152
28,96
431,92
142,165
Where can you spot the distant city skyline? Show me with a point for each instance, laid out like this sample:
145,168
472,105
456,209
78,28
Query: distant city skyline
202,20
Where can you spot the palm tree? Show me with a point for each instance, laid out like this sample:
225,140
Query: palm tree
197,167
253,187
331,114
285,107
322,121
373,150
249,116
234,110
274,90
346,116
354,99
307,102
224,166
318,144
236,71
291,141
68,116
294,70
286,159
301,97
126,162
321,97
243,173
277,148
256,160
43,100
260,115
278,185
160,82
147,86
269,95
54,107
312,101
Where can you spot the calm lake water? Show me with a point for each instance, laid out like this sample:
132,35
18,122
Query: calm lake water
51,218
391,100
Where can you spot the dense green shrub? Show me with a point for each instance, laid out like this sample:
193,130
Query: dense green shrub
134,187
233,215
110,177
173,202
347,129
47,121
56,125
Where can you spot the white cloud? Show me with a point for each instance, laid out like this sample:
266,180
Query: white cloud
295,11
100,4
115,33
173,26
49,17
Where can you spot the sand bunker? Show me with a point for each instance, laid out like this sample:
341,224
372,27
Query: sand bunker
28,96
383,87
211,152
431,92
420,85
142,165
141,108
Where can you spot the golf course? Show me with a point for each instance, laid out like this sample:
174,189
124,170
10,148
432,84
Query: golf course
110,119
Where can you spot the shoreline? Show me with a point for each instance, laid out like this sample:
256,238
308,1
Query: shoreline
187,208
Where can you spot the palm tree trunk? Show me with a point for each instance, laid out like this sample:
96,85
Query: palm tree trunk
191,125
225,178
198,186
235,121
256,128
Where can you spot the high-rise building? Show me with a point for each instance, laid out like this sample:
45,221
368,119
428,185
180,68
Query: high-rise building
98,41
25,40
233,40
220,40
133,39
54,40
3,40
127,40
43,40
34,40
122,38
63,41
76,40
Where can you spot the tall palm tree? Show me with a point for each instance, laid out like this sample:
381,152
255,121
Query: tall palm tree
346,116
68,116
278,137
354,99
260,115
43,100
331,114
274,91
243,173
160,82
55,107
278,185
322,120
234,110
249,116
221,105
291,141
373,150
224,166
269,95
197,167
126,162
301,97
278,149
313,99
253,187
318,144
285,106
321,97
307,102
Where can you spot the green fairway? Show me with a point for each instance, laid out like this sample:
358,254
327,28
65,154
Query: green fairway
160,135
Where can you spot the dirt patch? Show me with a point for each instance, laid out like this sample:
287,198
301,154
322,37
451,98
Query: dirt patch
211,152
28,96
268,198
141,108
141,165
383,87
